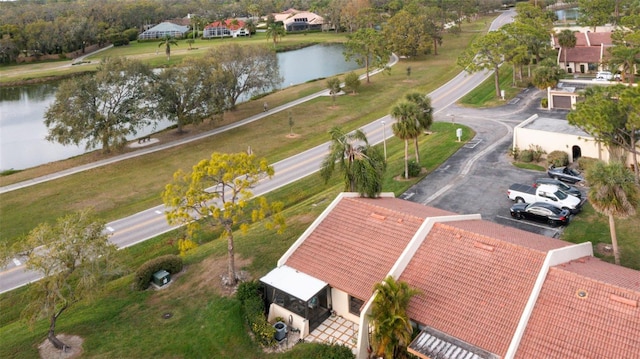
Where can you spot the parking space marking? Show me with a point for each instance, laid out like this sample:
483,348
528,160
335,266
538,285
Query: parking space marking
408,195
443,169
159,212
473,143
110,229
530,223
17,262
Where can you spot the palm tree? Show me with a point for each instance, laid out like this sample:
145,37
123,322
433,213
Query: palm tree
567,40
167,41
613,192
274,31
425,116
392,329
406,127
362,166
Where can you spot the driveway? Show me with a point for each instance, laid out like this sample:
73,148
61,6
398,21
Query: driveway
476,178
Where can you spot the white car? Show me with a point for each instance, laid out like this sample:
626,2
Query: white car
605,75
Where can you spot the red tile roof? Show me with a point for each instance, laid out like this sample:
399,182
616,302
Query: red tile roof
475,286
358,242
598,38
582,54
228,23
586,309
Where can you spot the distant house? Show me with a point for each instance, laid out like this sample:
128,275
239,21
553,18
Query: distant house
589,53
296,20
164,29
225,28
487,291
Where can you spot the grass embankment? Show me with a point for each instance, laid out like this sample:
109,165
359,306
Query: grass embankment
485,94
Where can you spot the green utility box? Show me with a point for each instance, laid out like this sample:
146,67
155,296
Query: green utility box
161,277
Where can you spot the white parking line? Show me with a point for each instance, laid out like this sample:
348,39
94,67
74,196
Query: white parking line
110,229
529,223
158,212
17,262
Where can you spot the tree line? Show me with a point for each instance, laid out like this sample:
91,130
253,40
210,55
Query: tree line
34,28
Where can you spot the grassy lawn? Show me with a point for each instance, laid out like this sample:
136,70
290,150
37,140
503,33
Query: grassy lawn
485,94
590,226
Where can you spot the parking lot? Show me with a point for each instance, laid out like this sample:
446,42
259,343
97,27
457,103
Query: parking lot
476,178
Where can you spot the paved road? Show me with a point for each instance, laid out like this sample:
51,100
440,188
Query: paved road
150,223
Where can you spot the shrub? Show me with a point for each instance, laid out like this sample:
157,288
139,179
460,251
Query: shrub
131,34
514,152
170,262
351,82
414,169
558,158
322,351
536,152
544,102
250,295
526,156
584,163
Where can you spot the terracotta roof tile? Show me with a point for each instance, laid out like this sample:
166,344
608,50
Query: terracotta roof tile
474,287
598,38
586,309
583,54
511,235
360,240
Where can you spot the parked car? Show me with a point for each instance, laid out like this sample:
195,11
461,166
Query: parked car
568,189
565,174
606,75
522,193
541,212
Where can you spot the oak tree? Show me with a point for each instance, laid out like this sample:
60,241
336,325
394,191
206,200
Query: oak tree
103,109
368,48
75,259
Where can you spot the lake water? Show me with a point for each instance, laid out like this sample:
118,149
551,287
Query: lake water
22,129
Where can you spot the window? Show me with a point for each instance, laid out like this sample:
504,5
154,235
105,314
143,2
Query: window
354,305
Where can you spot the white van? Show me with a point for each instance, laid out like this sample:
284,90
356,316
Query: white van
604,75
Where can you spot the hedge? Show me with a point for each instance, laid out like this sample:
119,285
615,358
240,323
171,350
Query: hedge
170,262
558,158
250,295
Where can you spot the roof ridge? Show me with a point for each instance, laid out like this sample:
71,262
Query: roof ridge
371,204
450,226
562,267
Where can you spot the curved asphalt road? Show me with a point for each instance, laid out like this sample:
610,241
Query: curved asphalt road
152,222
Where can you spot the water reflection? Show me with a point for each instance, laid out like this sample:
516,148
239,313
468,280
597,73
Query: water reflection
22,130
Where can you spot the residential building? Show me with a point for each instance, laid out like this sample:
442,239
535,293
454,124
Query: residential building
225,28
486,290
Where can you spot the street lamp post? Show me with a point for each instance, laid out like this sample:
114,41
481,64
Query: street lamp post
384,140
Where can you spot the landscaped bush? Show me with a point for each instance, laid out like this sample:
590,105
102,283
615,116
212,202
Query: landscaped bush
558,158
318,351
526,156
585,162
351,82
536,152
514,152
544,102
250,295
414,169
170,262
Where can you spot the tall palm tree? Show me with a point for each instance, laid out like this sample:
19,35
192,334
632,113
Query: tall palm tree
167,41
274,31
425,116
567,40
392,329
406,127
362,166
613,192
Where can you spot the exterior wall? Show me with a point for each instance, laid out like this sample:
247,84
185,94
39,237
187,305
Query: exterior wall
340,304
551,141
298,322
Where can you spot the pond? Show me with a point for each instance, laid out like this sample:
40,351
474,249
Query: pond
22,129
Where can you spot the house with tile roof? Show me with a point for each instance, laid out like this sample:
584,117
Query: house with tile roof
588,55
225,28
486,290
297,20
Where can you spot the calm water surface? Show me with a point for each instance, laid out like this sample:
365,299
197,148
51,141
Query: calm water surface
22,129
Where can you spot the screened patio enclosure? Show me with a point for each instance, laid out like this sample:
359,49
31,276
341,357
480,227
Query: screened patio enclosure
298,293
